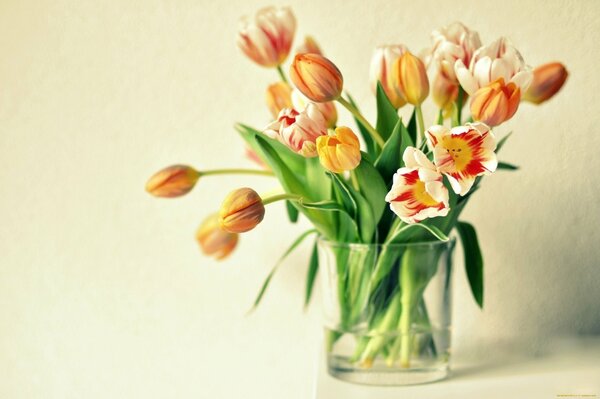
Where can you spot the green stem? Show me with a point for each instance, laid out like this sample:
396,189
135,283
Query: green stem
374,134
281,74
406,285
459,106
421,127
236,172
440,119
280,197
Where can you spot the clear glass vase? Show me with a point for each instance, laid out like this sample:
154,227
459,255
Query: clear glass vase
387,311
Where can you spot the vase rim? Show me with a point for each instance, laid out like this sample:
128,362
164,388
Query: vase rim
438,243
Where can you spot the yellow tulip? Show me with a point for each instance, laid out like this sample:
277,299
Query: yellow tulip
340,151
410,76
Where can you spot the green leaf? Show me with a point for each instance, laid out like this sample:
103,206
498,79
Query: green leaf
387,116
507,166
294,185
325,205
286,176
354,200
372,187
313,268
291,211
502,141
389,160
346,195
294,161
265,285
473,259
403,234
405,141
369,143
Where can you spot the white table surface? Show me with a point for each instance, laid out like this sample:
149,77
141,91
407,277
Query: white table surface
571,369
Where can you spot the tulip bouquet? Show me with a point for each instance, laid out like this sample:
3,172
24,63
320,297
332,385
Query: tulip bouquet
394,182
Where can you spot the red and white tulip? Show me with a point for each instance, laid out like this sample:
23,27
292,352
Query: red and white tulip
418,191
299,130
453,43
463,153
382,63
497,60
267,39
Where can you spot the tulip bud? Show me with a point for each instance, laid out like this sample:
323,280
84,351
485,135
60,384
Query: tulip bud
300,102
381,71
316,77
278,97
495,103
268,39
444,93
174,181
547,81
241,211
309,46
339,152
410,75
213,240
253,156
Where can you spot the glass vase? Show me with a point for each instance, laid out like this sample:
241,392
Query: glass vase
387,311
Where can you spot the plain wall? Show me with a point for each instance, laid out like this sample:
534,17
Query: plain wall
103,291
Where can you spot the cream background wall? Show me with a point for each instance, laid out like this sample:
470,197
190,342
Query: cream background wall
103,292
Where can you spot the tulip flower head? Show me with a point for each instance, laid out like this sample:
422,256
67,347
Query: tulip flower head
496,102
444,93
547,81
309,46
452,43
339,152
267,39
213,240
299,130
418,190
497,60
410,76
316,77
173,181
278,97
300,101
381,71
463,153
241,211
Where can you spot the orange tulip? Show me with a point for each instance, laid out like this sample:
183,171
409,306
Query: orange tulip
495,103
547,81
278,97
410,75
174,181
241,211
213,240
339,152
316,77
309,46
